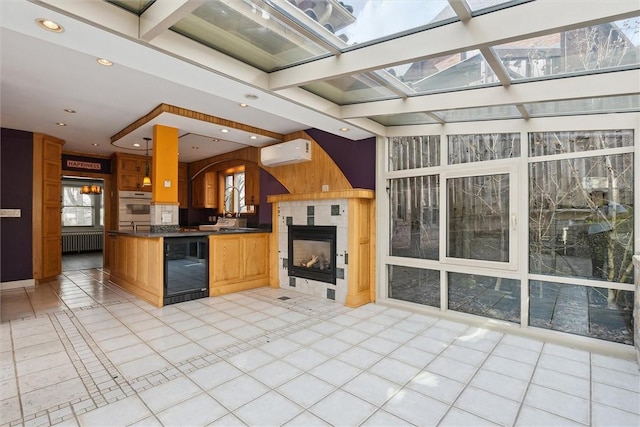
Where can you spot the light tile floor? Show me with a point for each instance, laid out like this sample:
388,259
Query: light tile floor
80,351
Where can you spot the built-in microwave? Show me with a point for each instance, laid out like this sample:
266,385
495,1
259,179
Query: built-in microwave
134,210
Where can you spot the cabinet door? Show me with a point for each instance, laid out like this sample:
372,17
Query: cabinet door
198,191
129,164
252,185
211,190
129,181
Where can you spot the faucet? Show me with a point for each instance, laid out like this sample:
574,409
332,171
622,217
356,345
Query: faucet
133,225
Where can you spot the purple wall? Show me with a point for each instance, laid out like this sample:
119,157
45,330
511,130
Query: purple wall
356,159
16,192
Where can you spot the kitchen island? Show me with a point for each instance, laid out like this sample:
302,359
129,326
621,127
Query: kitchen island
237,260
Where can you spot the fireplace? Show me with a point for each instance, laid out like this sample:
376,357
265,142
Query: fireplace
312,252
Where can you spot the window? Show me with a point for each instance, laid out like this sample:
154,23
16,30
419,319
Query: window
234,200
80,210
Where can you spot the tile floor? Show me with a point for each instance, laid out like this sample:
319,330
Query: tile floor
80,351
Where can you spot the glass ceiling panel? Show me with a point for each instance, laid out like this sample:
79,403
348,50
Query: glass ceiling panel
500,112
404,119
350,89
590,49
610,104
248,33
455,71
377,20
135,6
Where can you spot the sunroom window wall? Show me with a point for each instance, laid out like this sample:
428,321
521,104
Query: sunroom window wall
563,232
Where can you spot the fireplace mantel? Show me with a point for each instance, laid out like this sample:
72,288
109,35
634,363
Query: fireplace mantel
353,212
356,193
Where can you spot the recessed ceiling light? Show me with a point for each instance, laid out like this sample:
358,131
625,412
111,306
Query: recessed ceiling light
243,105
344,129
195,148
215,139
49,25
61,124
69,110
135,144
105,62
253,137
224,130
251,96
95,144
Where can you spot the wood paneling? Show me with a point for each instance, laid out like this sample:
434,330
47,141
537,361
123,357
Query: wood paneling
183,176
309,177
47,206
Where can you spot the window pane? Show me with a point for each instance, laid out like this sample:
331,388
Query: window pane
546,143
415,217
482,147
581,217
77,216
486,296
411,152
478,217
582,310
414,285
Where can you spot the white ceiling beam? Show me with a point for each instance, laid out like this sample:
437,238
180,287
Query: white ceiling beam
461,8
161,15
496,65
506,25
597,85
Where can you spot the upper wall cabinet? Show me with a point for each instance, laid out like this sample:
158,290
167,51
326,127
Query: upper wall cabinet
204,190
252,184
129,171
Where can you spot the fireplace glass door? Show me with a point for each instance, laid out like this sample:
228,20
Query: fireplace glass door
312,252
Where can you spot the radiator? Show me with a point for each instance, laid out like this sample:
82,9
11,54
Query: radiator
82,241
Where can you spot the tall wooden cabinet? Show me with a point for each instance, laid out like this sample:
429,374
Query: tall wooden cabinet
129,171
252,184
47,206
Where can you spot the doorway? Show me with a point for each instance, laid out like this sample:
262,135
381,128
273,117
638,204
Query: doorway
82,218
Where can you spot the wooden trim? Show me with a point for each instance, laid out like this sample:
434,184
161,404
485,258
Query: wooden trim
184,112
357,193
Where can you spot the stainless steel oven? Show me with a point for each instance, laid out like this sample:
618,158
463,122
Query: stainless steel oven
134,212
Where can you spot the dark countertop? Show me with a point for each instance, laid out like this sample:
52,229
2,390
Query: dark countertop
195,233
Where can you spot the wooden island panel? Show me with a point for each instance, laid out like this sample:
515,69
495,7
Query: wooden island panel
138,266
238,262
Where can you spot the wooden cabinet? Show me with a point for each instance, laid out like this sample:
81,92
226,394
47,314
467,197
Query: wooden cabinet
183,179
130,170
47,196
238,262
252,184
204,190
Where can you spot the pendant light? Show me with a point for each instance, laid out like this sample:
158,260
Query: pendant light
91,189
146,181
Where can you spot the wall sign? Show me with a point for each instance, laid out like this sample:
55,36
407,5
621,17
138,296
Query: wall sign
86,164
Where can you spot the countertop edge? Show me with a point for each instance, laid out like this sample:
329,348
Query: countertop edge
186,233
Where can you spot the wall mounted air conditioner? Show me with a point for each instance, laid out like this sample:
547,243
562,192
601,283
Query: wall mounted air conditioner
286,153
